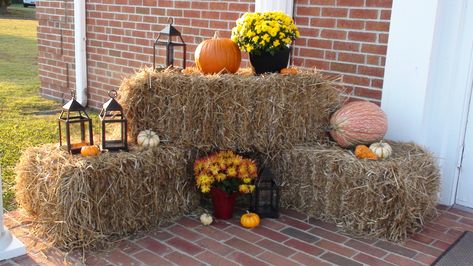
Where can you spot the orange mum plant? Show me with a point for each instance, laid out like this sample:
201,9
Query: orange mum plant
227,171
363,152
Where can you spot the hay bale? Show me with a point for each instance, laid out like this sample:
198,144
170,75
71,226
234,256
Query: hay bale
85,202
239,112
389,199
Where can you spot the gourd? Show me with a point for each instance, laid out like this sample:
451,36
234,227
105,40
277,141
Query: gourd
92,150
289,71
206,219
147,138
249,220
363,152
382,149
216,55
358,122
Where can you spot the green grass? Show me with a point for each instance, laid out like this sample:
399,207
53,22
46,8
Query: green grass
20,102
17,11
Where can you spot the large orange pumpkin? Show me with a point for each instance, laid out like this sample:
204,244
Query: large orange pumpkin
358,122
217,54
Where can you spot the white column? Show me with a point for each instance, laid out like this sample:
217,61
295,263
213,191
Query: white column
80,51
426,83
10,246
286,6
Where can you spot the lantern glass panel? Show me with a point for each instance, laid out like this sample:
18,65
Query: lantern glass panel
114,125
114,135
75,130
266,196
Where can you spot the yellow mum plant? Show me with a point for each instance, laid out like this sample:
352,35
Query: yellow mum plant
227,171
264,32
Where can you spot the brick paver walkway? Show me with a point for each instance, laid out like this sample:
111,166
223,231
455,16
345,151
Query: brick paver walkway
294,239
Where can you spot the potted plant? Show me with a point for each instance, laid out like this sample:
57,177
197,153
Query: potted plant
225,174
267,37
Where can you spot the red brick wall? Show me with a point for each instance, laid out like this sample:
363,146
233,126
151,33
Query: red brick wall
346,37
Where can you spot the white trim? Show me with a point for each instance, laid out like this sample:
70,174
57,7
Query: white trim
10,246
465,47
80,51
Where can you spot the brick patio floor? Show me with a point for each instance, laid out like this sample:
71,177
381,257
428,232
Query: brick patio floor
294,239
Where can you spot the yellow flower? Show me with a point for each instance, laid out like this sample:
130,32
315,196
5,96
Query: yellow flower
214,169
255,39
276,43
244,189
220,177
266,37
232,172
246,180
251,187
205,189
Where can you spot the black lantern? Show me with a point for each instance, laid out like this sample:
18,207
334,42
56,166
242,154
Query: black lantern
75,119
174,39
112,116
265,200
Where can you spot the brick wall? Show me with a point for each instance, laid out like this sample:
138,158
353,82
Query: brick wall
346,37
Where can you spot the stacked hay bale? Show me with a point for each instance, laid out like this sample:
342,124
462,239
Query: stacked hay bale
239,112
86,202
390,199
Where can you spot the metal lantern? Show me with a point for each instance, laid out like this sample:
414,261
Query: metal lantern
265,200
171,33
112,115
76,120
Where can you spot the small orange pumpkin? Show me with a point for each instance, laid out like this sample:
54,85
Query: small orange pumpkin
363,152
289,71
92,150
217,54
249,220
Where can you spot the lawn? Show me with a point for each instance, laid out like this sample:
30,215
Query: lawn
21,121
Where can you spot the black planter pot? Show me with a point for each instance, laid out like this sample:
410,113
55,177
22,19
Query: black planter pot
269,63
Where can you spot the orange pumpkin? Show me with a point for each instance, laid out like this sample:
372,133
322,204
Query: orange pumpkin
249,220
289,71
92,150
217,54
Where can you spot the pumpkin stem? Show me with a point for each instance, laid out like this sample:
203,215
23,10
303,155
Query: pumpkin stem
217,35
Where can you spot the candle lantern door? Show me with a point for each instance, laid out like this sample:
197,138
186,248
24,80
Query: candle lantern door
265,198
114,125
77,125
169,38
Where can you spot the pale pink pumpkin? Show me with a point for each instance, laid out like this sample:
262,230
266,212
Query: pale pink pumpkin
358,122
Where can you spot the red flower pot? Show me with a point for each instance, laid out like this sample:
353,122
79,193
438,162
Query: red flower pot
223,203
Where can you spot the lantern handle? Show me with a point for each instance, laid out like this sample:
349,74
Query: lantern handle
73,94
113,94
170,20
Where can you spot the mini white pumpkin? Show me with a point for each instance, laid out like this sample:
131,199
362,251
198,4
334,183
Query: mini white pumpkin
382,149
147,138
206,219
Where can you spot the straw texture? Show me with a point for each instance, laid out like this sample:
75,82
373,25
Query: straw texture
239,112
389,199
88,202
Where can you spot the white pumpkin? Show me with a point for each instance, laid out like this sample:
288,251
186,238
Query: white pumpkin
206,219
147,138
382,149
